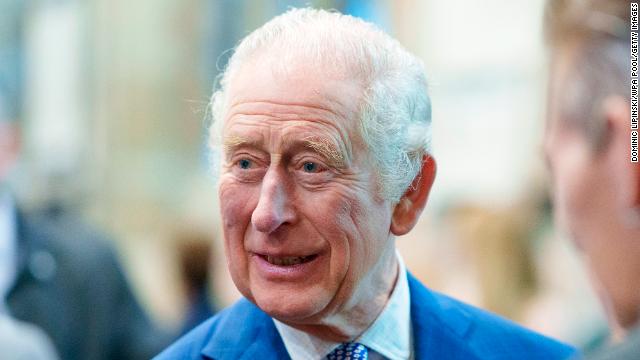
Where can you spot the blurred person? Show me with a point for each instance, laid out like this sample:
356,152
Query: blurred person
496,244
195,253
63,277
596,187
324,123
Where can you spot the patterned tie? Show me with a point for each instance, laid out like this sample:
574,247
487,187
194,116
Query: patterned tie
349,351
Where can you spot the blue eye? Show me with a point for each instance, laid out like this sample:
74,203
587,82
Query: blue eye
310,167
244,164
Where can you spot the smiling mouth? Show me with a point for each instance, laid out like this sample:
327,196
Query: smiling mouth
288,260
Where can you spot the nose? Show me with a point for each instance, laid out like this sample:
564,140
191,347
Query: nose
275,207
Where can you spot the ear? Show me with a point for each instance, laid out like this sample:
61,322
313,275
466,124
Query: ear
407,211
626,173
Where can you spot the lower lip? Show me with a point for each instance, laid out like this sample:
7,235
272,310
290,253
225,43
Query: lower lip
295,272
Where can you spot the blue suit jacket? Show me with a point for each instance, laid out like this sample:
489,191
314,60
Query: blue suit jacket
443,328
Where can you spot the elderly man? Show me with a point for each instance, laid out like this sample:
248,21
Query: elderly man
588,145
324,123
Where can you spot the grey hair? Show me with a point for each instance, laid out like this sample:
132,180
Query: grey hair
395,109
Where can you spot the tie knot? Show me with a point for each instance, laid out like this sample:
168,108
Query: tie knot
349,351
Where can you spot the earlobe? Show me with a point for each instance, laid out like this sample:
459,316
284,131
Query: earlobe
407,211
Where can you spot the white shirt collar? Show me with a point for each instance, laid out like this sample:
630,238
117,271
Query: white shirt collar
8,247
389,335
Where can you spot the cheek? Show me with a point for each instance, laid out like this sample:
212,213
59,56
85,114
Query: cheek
571,189
236,203
329,214
583,205
356,226
563,195
235,210
372,220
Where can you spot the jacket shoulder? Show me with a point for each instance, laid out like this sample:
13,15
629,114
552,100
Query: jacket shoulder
486,335
66,237
491,334
222,330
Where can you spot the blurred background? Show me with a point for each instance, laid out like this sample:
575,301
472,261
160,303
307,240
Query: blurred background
112,100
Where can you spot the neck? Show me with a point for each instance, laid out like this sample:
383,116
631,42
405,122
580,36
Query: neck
368,301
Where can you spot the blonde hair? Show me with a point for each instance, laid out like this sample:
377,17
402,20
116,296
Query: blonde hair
598,33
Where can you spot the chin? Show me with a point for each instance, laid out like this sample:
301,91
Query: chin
289,307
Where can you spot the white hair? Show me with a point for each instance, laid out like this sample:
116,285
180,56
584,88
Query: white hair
395,109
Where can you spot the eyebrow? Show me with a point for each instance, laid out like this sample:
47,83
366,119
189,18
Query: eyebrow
320,145
325,148
232,142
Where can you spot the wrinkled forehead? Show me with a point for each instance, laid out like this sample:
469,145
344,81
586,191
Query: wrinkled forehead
299,79
295,83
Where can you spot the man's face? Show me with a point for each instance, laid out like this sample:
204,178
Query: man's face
584,193
569,158
306,234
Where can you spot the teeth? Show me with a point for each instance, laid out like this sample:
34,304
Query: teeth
286,261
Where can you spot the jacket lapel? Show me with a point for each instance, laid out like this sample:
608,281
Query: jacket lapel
268,344
439,328
247,333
